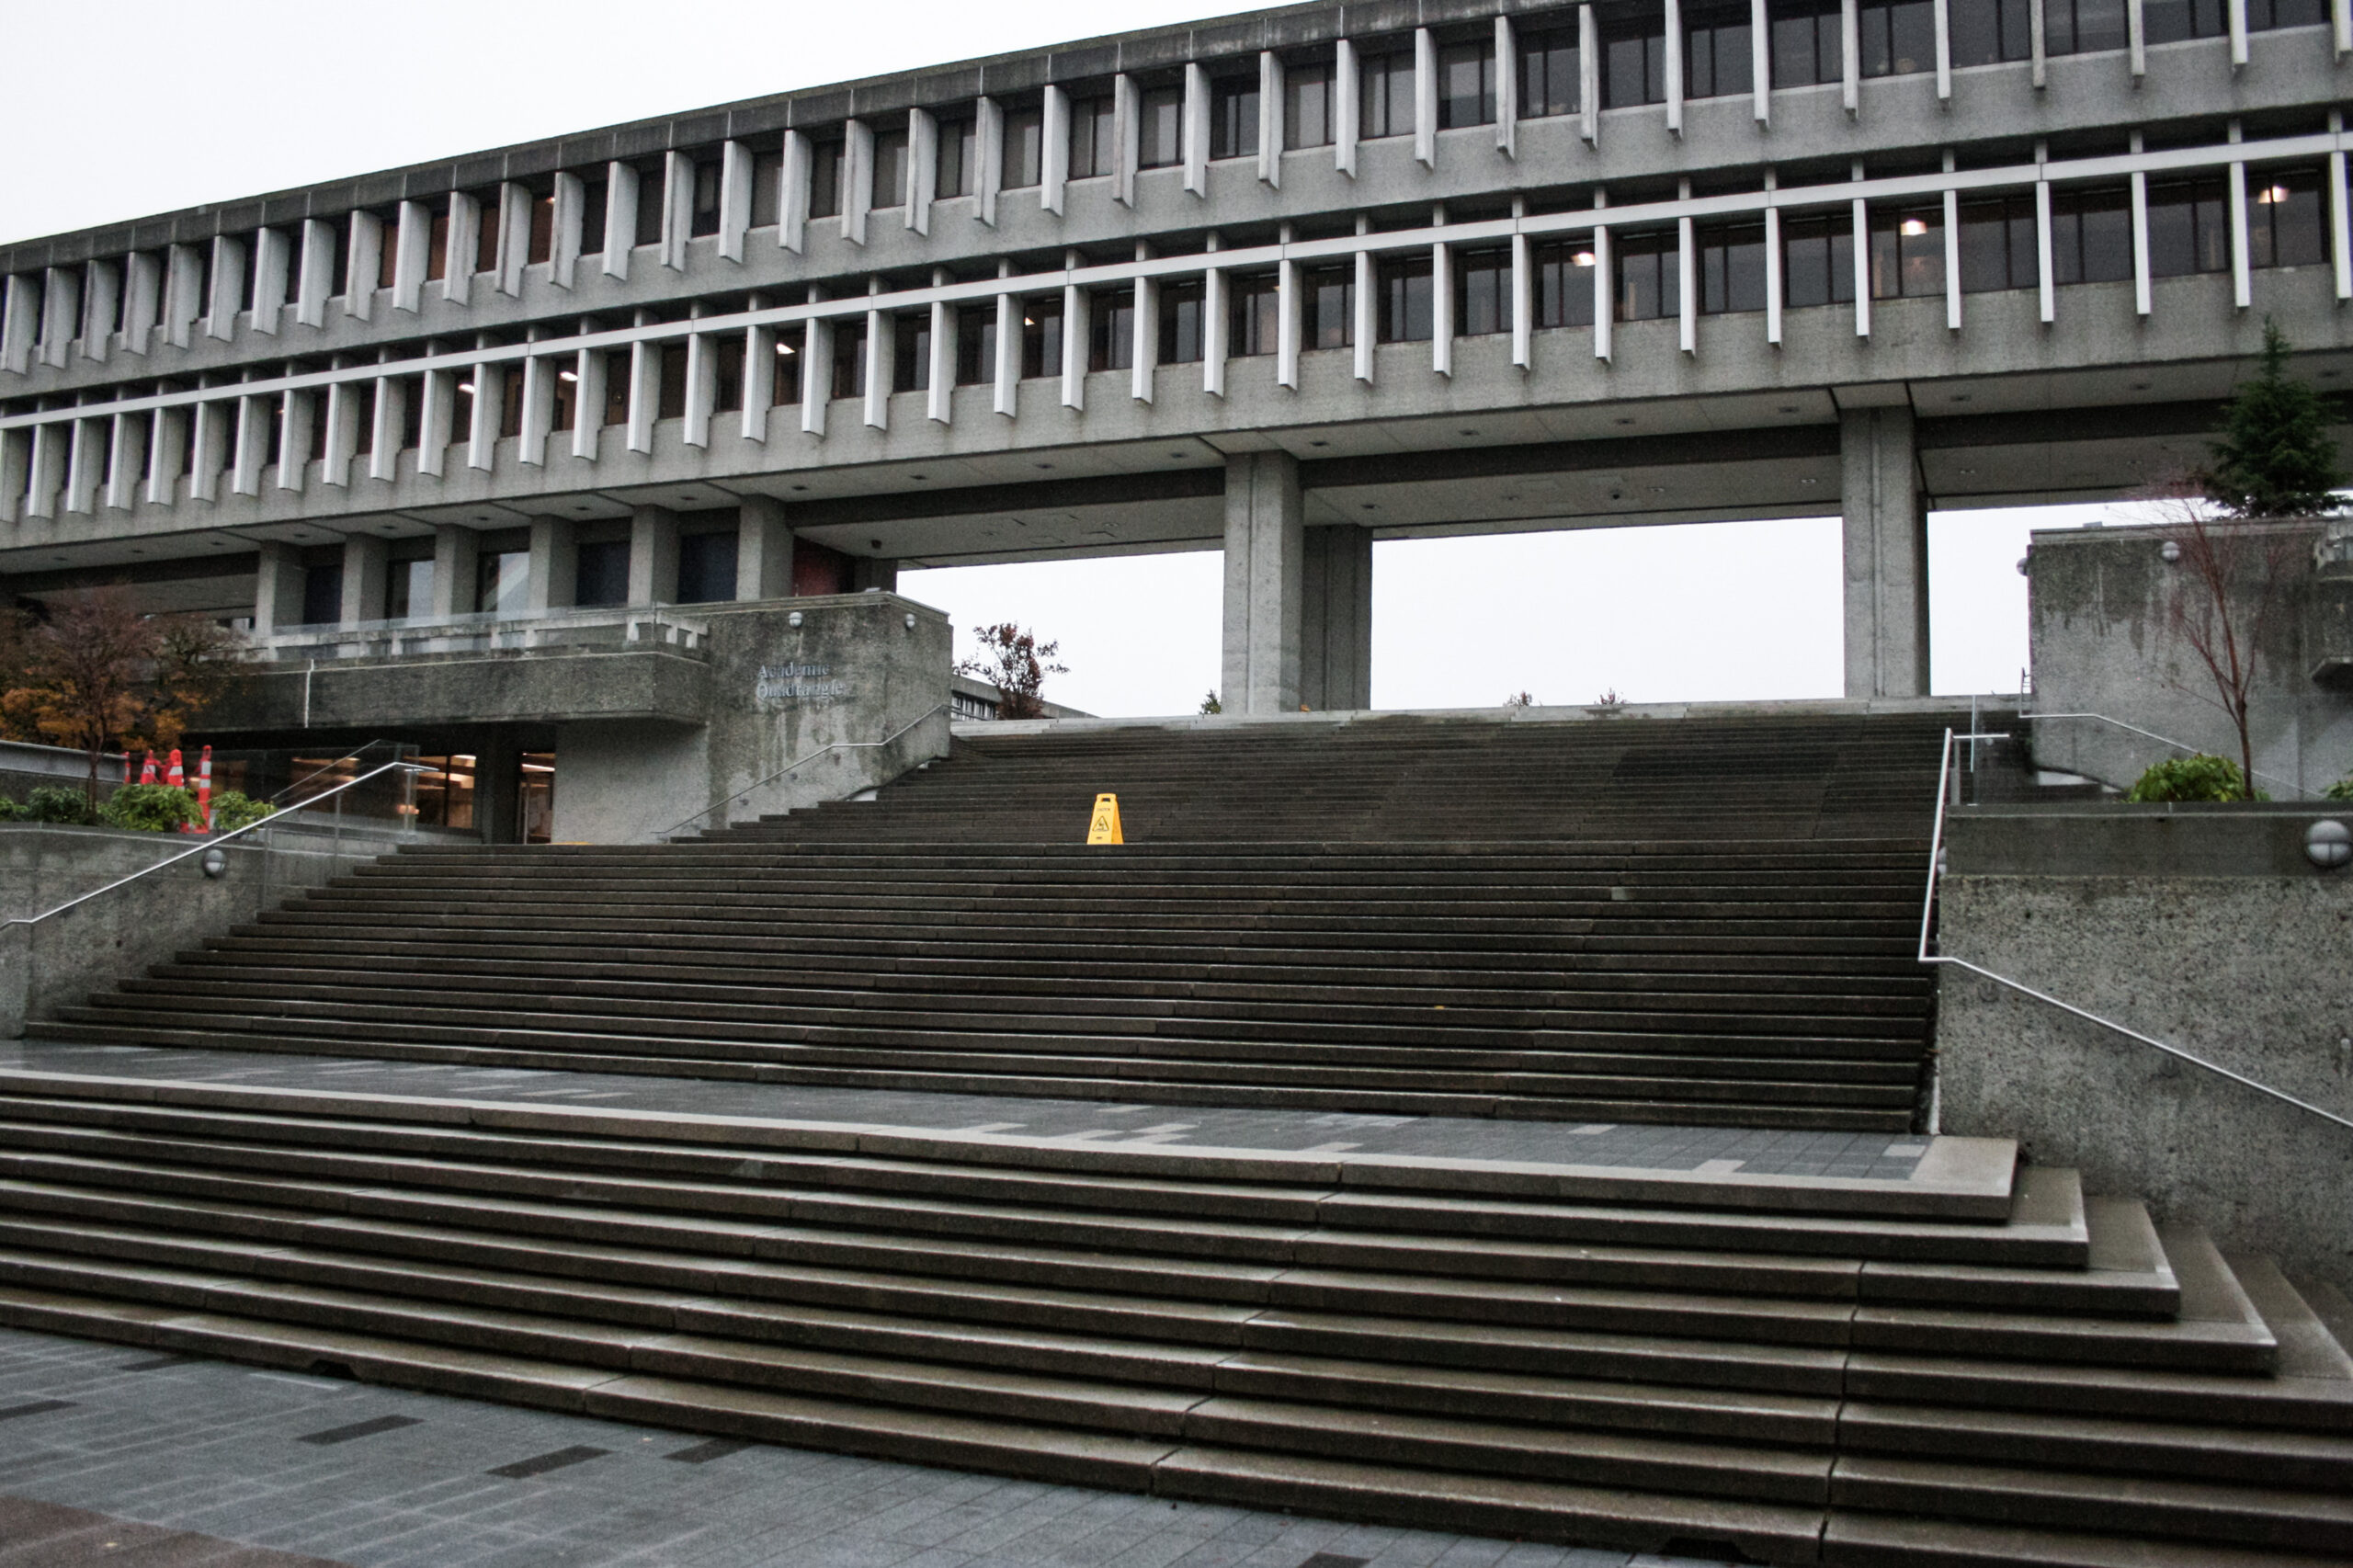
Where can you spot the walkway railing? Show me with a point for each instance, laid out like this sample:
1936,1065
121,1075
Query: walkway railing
723,806
1945,778
207,845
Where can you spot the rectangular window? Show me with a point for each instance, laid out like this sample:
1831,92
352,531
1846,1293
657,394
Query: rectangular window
768,186
1327,305
1562,286
1111,331
1732,266
911,352
616,378
2082,26
1404,304
1806,47
408,590
412,412
672,404
322,595
1997,248
1041,336
1482,292
2174,21
1093,140
364,396
594,195
1385,94
2091,233
1548,73
957,161
976,345
1908,252
437,247
2283,217
1233,117
1987,32
727,379
1466,86
1160,141
461,411
565,404
542,243
2189,229
1633,54
890,184
318,453
1650,280
849,357
790,341
2263,15
388,249
1024,147
338,266
601,576
1181,322
1716,51
1254,315
709,181
1307,106
707,567
826,181
486,226
502,584
1899,37
1818,259
510,402
651,196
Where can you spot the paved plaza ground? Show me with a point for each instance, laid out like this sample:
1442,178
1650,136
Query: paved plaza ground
114,1454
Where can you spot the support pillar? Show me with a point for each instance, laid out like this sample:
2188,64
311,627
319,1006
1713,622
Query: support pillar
1335,619
1886,554
1264,587
457,555
762,550
652,556
363,579
555,565
278,591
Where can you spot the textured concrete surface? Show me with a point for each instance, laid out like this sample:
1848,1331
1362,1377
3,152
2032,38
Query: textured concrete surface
2248,971
69,955
381,1478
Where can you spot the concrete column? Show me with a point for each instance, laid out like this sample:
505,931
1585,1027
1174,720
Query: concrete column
762,550
273,268
1270,117
61,313
1053,150
922,169
251,446
229,256
734,199
343,432
183,294
19,322
652,556
127,465
1264,551
1886,554
46,471
212,423
411,240
364,265
620,218
458,247
792,188
856,188
555,565
314,277
363,579
1335,619
101,299
384,435
457,550
1344,107
16,472
167,448
571,206
278,590
498,776
1426,94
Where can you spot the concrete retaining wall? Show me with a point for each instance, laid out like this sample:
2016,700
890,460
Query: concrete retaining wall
2205,927
64,958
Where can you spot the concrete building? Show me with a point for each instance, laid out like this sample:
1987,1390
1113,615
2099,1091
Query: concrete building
1281,284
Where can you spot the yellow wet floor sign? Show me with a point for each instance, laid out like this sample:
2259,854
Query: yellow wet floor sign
1104,828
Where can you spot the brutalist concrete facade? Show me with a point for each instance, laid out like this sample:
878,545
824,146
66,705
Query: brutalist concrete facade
1277,285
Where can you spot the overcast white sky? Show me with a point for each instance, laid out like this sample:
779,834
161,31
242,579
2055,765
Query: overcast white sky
134,106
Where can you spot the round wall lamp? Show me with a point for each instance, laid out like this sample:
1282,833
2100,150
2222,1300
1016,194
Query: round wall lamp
2170,550
911,621
2328,843
215,862
793,619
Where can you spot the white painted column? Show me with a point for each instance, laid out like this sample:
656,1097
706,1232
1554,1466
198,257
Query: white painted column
486,414
459,246
2136,40
1144,348
2242,276
2236,12
2340,243
1674,39
1346,106
410,245
168,436
588,396
1850,55
1442,308
1271,125
1213,329
1126,132
734,199
1760,60
2340,16
1366,329
1195,136
816,372
939,399
384,435
882,360
2142,301
677,209
142,300
1053,150
1006,382
702,388
1605,299
251,444
1863,249
2045,273
365,264
1075,325
1506,90
1772,268
988,136
792,191
568,221
1425,97
1588,76
1287,318
314,278
1942,20
1687,280
1952,254
1523,302
621,196
922,170
298,411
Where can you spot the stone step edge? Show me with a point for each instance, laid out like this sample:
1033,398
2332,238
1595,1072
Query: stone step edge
1959,1178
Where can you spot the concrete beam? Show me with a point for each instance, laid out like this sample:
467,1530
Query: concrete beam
1265,554
1886,554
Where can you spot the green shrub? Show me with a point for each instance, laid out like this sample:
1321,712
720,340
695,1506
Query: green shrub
55,803
11,810
149,807
233,810
2199,777
2340,790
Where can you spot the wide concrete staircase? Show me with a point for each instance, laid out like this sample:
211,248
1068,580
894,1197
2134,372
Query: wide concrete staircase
1968,1361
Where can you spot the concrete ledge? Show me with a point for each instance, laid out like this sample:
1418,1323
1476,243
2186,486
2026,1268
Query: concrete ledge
519,687
2117,840
1961,709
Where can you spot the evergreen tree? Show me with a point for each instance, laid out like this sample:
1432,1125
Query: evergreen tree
2275,457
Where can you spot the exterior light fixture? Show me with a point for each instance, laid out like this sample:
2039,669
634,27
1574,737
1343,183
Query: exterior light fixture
2170,550
793,619
567,375
215,862
2273,196
784,348
2022,561
1583,258
1915,227
911,620
2328,843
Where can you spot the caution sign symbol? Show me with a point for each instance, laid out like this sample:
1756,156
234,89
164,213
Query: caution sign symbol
1104,826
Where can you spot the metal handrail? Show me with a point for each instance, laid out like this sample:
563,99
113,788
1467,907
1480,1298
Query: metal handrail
798,761
353,755
212,842
1928,907
2162,740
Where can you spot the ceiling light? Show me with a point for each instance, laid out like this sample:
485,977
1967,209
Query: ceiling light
567,375
467,387
784,347
2273,196
1583,258
1914,227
